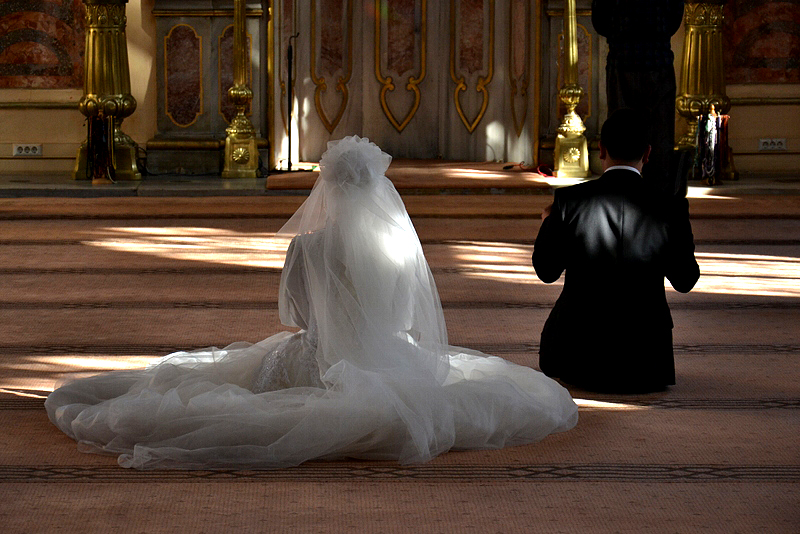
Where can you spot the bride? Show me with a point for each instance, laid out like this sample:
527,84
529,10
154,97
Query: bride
369,374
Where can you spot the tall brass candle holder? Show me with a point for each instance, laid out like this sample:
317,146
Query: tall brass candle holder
571,159
241,151
108,153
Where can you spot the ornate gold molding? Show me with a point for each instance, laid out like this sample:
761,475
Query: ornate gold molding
460,81
519,123
413,82
39,105
256,13
319,82
765,101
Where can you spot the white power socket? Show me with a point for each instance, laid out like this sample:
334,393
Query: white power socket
26,150
772,145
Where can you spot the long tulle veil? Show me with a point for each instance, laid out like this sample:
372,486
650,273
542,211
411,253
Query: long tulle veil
372,293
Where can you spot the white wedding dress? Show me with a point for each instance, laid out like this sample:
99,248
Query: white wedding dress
369,374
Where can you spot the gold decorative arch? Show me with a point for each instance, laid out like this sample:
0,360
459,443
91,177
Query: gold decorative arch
460,81
319,82
388,82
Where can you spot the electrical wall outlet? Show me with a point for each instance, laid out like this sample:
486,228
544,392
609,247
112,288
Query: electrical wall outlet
772,145
26,150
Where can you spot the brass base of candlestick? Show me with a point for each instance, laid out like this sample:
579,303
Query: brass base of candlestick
571,157
241,158
126,168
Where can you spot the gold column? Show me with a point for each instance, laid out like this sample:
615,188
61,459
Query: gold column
107,98
241,152
572,151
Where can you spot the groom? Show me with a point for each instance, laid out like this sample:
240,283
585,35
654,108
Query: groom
617,239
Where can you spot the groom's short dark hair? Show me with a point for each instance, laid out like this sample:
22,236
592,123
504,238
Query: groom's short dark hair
626,134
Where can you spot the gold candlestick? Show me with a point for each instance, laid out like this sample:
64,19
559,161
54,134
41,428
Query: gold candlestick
107,98
571,159
241,152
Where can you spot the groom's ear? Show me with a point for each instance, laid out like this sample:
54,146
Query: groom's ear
646,156
603,151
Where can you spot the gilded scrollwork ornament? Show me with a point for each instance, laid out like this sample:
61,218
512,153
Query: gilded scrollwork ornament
460,80
387,82
320,81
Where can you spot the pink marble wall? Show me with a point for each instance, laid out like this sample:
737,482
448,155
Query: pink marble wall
762,41
331,49
41,44
184,81
470,31
401,39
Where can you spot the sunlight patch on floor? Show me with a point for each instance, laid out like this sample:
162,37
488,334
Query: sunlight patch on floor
212,245
728,274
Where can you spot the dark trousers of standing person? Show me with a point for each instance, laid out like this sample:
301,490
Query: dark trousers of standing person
653,91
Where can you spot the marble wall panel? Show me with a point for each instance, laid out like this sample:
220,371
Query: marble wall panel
470,36
331,49
761,42
41,44
401,35
184,75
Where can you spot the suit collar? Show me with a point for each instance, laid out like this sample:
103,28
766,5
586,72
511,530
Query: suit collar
623,167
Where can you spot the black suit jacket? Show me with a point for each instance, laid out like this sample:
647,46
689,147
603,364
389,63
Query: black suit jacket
617,239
